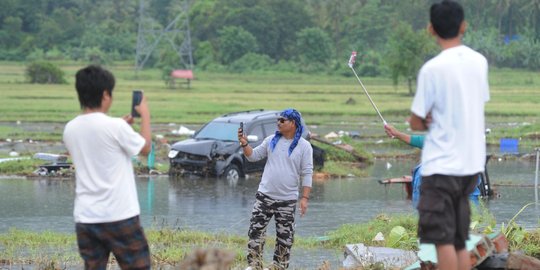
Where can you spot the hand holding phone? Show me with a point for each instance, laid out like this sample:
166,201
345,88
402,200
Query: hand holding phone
242,128
135,101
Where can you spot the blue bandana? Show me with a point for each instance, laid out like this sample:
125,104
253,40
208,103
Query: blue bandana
290,114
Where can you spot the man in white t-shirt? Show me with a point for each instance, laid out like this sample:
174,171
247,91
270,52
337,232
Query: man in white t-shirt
452,89
106,208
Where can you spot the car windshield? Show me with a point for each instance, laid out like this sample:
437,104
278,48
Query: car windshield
219,131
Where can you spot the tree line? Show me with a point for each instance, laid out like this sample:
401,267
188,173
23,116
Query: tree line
289,35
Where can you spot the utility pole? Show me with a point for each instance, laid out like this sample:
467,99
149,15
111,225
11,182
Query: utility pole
176,33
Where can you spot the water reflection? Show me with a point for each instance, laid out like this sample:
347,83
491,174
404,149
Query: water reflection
218,205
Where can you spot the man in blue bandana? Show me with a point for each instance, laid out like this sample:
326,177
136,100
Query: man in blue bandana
290,160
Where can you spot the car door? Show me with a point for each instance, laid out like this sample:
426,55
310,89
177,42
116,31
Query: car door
255,129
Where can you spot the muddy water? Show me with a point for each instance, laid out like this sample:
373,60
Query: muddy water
218,205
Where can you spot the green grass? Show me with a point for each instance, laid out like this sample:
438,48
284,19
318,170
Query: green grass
169,246
364,233
20,167
321,98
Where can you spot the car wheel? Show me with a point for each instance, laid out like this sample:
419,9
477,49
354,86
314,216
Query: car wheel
232,173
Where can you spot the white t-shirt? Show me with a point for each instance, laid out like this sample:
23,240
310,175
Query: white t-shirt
101,148
453,86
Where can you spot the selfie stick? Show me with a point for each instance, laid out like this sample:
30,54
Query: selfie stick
351,63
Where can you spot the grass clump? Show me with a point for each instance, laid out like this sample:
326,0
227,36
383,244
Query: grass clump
364,233
336,168
21,166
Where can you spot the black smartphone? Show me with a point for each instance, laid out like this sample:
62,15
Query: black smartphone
242,128
136,100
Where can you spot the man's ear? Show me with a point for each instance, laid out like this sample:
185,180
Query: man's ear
430,30
463,27
106,96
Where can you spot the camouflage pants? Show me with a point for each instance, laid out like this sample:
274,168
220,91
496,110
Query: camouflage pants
263,210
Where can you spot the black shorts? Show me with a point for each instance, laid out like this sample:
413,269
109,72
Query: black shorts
444,209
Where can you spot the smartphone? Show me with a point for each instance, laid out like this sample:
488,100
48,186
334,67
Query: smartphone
136,100
242,128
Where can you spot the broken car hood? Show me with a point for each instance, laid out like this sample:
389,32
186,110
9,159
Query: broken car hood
204,147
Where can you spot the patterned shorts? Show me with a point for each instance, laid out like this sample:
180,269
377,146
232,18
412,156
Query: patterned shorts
125,239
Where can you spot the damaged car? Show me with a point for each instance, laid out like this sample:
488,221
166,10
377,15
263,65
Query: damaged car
214,150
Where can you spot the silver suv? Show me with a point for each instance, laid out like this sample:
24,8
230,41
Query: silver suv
214,149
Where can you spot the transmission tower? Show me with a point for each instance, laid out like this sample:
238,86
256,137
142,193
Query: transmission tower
176,33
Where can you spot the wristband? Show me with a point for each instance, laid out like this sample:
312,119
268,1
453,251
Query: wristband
244,145
305,197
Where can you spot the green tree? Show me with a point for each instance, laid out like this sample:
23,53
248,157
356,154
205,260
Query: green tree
289,17
44,73
313,49
406,52
259,22
234,43
11,34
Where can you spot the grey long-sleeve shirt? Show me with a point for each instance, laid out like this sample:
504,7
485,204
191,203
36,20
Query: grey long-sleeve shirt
282,173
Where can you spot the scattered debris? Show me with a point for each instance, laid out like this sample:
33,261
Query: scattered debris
486,252
379,237
331,135
359,255
184,131
206,259
58,165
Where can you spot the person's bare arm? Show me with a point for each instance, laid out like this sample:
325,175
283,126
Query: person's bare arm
417,123
304,200
392,132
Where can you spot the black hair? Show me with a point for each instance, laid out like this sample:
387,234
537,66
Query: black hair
446,18
91,82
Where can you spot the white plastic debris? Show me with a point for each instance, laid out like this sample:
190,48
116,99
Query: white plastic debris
185,131
378,237
331,135
13,154
388,165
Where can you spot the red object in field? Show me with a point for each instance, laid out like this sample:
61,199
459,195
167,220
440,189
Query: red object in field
182,74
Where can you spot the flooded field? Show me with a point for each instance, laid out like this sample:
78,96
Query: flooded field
218,205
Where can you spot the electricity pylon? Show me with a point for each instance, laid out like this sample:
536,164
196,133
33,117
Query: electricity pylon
176,33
